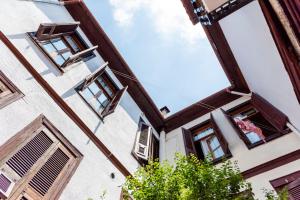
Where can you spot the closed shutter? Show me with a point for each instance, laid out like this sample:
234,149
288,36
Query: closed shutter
78,56
143,141
46,176
269,112
47,31
28,155
294,190
219,135
241,134
188,142
115,102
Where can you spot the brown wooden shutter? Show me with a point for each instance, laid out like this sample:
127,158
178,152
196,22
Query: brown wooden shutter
294,190
219,135
114,103
78,56
47,31
28,155
241,134
46,176
92,77
188,142
269,112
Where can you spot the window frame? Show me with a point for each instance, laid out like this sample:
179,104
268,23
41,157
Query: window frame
15,92
15,142
116,90
238,109
205,125
80,42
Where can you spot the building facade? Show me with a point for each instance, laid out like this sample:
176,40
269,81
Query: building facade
75,121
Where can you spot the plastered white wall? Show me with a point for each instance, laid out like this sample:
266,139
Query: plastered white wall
118,130
253,47
245,158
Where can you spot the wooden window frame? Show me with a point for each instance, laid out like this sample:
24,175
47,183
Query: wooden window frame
78,40
242,107
15,92
108,80
22,136
208,124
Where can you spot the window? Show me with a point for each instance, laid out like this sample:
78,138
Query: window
62,44
206,140
37,162
257,121
100,93
291,182
8,91
146,145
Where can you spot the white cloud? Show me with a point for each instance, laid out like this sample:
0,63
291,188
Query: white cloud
168,17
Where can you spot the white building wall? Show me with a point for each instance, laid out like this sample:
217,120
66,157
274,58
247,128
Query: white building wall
250,39
118,130
245,158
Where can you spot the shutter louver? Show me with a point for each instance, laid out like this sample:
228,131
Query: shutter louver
28,155
269,112
46,176
294,190
188,142
241,134
4,183
115,102
47,31
219,135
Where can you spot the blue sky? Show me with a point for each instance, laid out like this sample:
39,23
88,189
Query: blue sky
172,58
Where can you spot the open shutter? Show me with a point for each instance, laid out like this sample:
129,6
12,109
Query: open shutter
92,77
269,112
241,134
219,135
47,31
143,141
114,103
294,190
78,56
188,142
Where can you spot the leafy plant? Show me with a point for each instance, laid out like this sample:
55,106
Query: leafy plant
190,179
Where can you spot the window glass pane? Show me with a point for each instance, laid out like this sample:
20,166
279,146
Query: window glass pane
214,142
103,100
253,137
96,105
59,44
94,88
87,94
203,133
218,153
72,43
59,60
105,86
49,48
66,55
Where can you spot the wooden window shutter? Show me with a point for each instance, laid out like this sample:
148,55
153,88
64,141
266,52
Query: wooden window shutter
92,77
115,102
294,190
270,112
28,155
46,176
241,134
78,56
219,135
143,141
47,31
188,142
